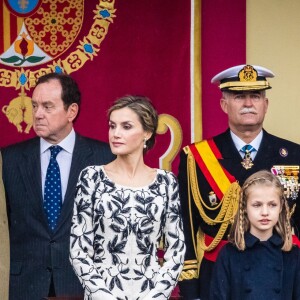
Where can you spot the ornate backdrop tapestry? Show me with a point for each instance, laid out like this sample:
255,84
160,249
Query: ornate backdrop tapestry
166,50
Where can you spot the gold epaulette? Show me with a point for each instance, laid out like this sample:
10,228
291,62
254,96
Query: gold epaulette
189,271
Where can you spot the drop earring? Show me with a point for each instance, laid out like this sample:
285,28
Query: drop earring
145,143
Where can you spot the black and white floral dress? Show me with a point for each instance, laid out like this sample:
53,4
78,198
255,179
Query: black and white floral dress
115,235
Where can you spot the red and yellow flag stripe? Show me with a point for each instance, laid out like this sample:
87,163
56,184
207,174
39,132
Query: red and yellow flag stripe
207,156
11,26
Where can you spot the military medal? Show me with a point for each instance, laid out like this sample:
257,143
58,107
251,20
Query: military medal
289,178
212,198
247,162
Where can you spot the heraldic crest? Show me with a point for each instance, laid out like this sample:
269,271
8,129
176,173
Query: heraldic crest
43,36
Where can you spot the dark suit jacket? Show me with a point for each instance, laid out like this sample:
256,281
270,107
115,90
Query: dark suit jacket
36,252
268,155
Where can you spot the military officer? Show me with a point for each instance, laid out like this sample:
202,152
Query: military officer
211,172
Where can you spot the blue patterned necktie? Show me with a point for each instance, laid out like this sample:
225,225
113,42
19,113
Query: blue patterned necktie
52,190
247,160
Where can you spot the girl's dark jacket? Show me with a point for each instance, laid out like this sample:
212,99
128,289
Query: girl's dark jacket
263,271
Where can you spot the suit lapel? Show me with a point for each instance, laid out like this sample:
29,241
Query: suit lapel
230,155
30,170
265,153
81,154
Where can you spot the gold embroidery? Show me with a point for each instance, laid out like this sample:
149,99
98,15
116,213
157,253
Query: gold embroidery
248,73
187,275
49,24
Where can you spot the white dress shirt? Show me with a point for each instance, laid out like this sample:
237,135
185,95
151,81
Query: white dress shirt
239,144
64,160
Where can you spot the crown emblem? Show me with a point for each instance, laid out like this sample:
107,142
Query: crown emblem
248,73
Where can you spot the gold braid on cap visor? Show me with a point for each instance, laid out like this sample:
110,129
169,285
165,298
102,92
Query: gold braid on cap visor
243,85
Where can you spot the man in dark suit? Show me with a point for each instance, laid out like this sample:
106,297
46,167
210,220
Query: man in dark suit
211,171
40,248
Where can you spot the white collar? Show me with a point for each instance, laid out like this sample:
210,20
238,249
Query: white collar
239,143
67,143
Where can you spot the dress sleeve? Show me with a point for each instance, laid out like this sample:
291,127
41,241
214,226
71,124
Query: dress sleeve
174,245
82,237
220,282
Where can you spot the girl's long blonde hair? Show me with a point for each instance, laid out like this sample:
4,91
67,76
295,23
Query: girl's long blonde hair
241,222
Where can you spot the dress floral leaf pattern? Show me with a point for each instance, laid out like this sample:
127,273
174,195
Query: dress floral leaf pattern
115,235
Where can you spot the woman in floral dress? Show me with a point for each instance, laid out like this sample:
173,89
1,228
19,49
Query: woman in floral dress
122,211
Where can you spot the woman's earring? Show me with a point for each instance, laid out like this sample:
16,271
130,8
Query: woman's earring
145,143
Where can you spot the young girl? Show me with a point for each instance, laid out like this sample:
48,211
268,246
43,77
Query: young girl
260,261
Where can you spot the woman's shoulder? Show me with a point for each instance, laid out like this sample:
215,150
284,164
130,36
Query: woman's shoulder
168,178
92,168
166,173
91,171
